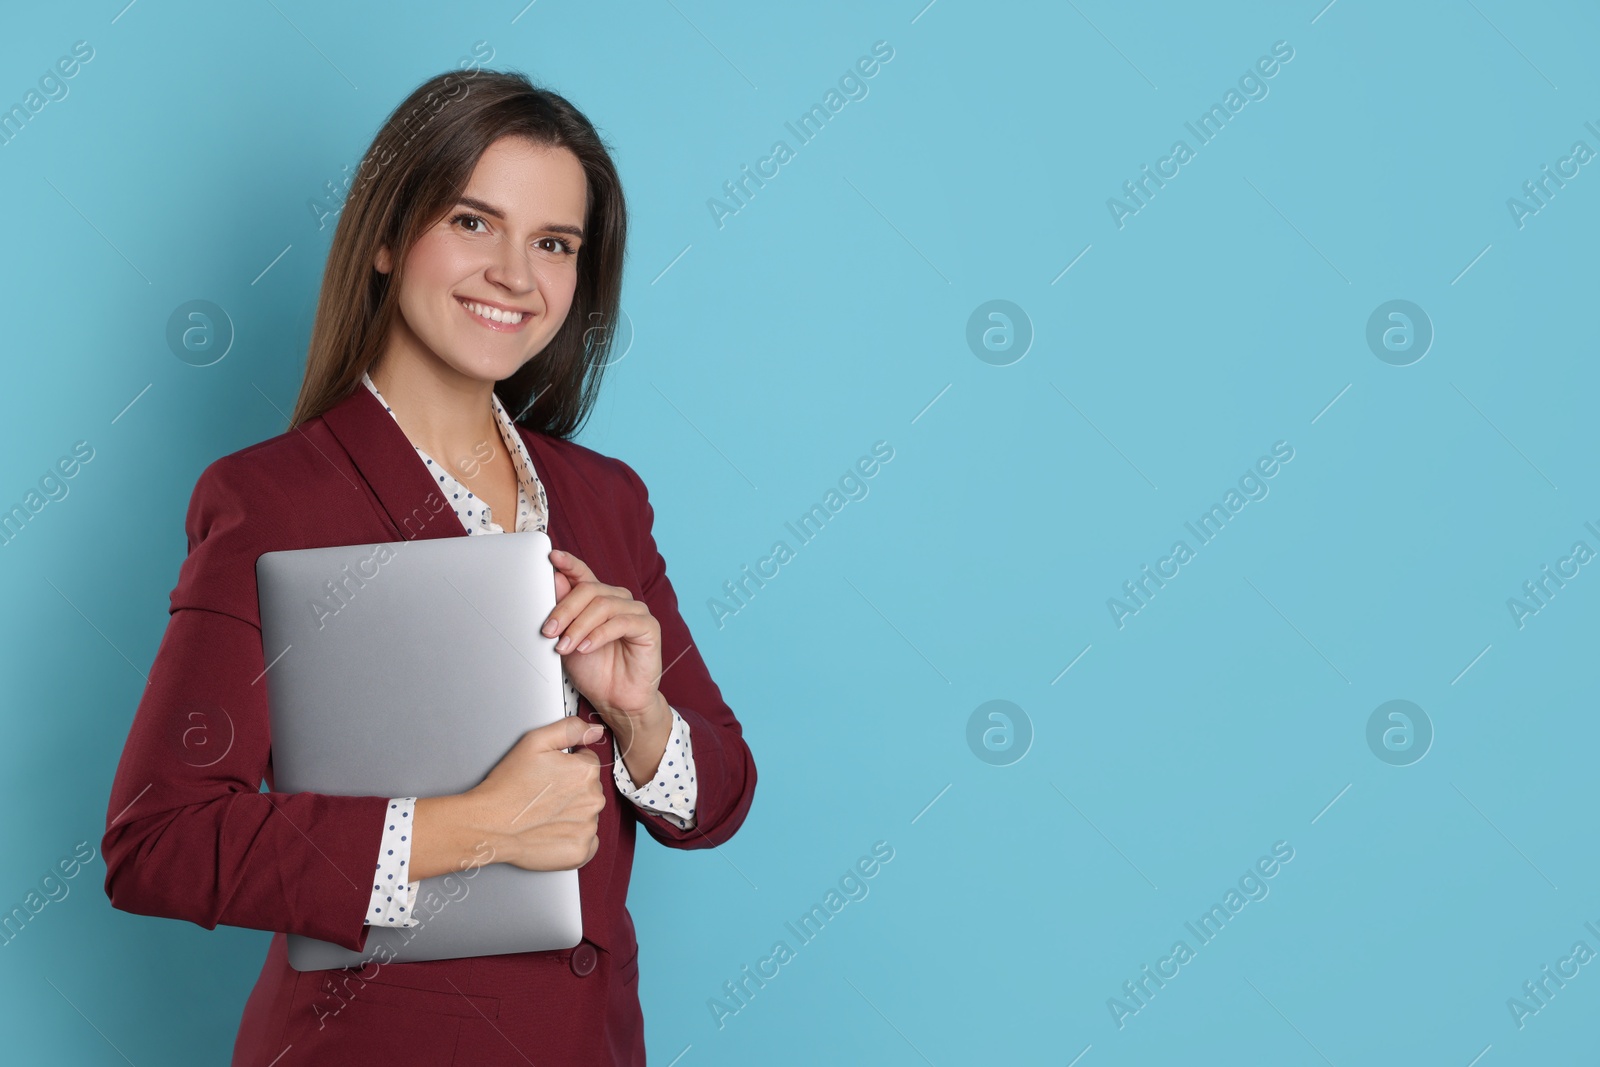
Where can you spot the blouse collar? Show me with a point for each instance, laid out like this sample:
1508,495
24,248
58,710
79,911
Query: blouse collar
528,483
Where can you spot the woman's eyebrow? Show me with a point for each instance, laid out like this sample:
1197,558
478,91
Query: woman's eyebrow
490,209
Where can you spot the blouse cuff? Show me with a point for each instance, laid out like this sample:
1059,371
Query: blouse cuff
391,893
672,792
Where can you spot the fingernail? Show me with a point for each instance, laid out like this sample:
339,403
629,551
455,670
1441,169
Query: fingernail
550,626
593,734
561,645
584,647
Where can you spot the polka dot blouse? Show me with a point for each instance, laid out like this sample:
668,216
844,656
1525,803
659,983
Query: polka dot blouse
670,795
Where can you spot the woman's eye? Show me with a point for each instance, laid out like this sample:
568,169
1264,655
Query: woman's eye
475,224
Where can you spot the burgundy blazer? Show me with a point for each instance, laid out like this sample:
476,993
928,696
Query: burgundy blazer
189,835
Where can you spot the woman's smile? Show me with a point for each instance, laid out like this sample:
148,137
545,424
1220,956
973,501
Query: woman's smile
481,313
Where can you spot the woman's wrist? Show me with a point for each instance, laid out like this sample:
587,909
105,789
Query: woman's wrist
448,836
642,739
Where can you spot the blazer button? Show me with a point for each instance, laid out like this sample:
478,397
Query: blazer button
583,959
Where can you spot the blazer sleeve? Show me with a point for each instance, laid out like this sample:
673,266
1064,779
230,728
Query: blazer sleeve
725,770
189,833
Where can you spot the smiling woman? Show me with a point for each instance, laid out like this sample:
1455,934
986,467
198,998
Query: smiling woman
454,355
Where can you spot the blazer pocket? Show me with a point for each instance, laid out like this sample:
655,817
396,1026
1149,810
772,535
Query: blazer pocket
357,991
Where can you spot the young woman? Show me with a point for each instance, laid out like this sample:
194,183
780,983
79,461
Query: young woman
460,338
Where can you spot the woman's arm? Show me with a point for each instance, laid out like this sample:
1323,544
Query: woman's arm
189,835
725,770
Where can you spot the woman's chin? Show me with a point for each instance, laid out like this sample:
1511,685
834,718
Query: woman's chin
484,368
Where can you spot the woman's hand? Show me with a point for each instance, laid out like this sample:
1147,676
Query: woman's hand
611,642
539,808
611,646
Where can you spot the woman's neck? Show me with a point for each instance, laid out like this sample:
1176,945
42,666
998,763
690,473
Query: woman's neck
441,411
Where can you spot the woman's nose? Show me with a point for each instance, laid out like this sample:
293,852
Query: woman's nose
511,269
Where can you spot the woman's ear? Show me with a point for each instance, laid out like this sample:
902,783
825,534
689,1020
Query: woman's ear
381,262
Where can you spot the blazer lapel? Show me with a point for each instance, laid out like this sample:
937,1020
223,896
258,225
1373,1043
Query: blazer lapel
387,461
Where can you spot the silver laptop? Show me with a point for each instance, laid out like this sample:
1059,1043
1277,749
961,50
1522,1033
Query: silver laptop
410,668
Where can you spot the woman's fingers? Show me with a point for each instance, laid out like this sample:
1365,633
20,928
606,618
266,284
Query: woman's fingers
618,627
582,599
575,569
597,611
583,590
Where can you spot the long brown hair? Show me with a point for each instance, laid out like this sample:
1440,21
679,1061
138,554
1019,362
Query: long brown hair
420,161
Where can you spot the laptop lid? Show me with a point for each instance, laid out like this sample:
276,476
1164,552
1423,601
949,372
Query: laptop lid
410,668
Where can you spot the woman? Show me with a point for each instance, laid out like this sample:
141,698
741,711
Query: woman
476,262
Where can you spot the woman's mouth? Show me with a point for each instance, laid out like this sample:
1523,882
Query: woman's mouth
494,318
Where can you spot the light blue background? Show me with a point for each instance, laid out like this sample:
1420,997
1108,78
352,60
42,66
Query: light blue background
1225,316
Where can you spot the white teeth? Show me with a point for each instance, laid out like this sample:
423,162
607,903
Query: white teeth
493,314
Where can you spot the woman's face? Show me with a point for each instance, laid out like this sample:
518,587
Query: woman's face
510,242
